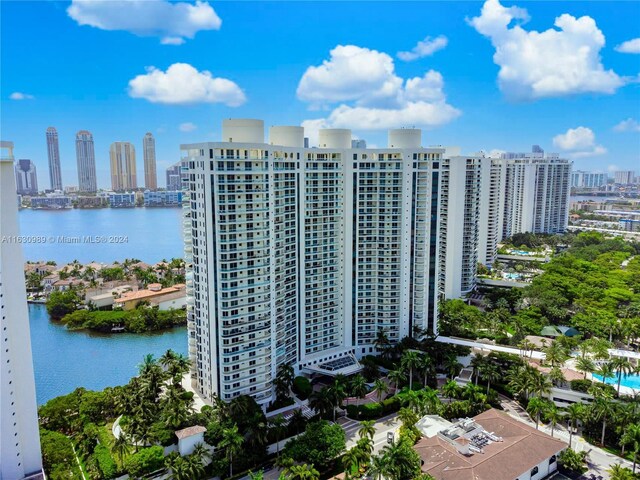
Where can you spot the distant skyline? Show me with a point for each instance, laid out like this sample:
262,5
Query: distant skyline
446,67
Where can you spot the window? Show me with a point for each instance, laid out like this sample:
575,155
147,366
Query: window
534,471
552,459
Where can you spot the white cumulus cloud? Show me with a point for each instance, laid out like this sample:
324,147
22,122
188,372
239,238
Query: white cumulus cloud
21,96
559,61
579,142
184,84
187,127
171,21
630,46
371,96
628,125
424,48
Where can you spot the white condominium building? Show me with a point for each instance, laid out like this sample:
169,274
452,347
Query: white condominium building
624,177
461,185
526,193
580,179
20,456
300,255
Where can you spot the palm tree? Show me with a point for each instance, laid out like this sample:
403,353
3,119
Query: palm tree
201,452
452,366
396,376
605,371
277,424
490,373
121,447
451,389
337,394
575,412
553,415
631,437
167,357
556,376
621,366
540,383
410,360
603,409
367,429
382,342
232,442
378,468
358,386
407,417
526,346
476,364
535,408
556,353
585,365
380,387
303,472
322,402
426,367
284,380
297,421
256,476
351,461
618,472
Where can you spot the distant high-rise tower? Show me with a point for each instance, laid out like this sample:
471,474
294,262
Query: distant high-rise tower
174,181
149,152
26,177
55,176
20,455
86,158
123,166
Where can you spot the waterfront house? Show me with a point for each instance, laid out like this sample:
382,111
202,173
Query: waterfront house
490,446
164,298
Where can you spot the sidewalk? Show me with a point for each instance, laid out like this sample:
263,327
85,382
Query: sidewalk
598,461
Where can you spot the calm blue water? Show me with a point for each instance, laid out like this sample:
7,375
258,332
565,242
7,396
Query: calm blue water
152,234
631,381
66,360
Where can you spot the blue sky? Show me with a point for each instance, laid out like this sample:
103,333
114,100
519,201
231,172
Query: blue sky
504,81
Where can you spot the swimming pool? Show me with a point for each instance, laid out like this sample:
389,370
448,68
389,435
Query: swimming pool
630,381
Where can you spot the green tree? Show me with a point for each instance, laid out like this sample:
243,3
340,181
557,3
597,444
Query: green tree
572,460
553,415
575,412
380,387
318,445
622,367
278,424
585,365
618,472
536,407
60,304
302,472
402,461
602,409
631,437
410,361
367,429
396,377
121,447
232,443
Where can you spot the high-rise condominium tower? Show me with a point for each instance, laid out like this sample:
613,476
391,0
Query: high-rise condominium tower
53,152
123,166
174,175
20,456
149,152
26,177
86,158
301,255
523,192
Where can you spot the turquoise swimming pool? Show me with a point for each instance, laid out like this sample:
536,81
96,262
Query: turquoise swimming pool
631,381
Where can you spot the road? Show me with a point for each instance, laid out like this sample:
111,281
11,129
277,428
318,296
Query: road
599,460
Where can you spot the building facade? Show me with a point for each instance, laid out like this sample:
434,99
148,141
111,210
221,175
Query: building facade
163,198
174,177
86,160
20,455
581,179
522,192
53,153
51,202
624,177
149,153
26,177
119,200
301,255
123,166
459,223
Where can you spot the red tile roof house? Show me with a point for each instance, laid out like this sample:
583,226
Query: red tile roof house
491,446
